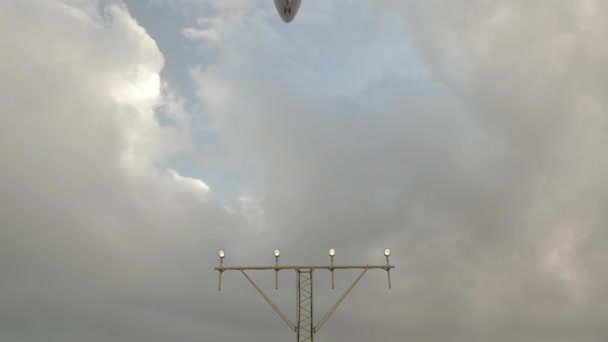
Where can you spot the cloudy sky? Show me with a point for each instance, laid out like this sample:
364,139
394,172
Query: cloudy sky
138,137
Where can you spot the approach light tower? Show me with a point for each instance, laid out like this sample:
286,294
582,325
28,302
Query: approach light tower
304,327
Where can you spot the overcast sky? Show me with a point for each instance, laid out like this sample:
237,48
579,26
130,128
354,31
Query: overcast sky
139,137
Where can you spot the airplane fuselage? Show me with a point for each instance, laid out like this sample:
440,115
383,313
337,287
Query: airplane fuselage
287,9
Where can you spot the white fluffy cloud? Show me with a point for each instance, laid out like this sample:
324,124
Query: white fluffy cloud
97,232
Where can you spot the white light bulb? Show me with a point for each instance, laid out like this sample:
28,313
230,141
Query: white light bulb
332,252
387,252
221,253
277,253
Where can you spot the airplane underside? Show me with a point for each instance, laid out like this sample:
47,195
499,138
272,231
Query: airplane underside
287,9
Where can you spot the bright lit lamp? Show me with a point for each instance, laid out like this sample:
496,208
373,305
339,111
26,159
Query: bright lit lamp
277,253
387,252
332,252
221,254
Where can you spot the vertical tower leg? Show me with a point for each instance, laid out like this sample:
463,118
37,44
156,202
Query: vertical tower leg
305,328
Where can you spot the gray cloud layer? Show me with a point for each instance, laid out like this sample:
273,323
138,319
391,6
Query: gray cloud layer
487,179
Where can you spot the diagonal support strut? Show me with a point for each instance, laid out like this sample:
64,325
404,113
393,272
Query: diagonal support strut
333,308
276,308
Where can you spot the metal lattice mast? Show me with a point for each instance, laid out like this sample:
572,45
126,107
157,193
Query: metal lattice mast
304,327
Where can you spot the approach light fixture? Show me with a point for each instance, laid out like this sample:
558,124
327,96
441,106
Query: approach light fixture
221,254
276,253
332,252
387,252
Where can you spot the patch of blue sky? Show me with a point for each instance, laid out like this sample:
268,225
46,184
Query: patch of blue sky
344,51
164,25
